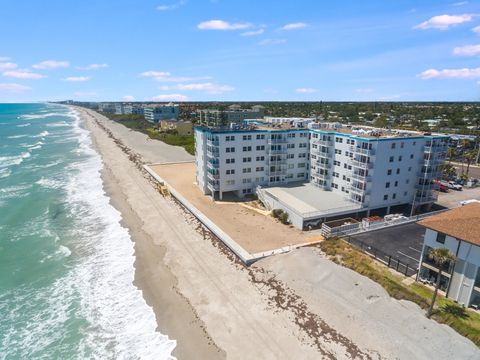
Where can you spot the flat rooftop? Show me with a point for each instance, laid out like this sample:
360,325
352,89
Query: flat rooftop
254,231
309,200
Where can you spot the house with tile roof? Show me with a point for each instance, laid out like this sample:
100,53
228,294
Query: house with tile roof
459,231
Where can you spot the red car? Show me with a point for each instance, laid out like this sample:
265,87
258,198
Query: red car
443,187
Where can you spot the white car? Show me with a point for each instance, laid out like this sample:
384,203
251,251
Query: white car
454,186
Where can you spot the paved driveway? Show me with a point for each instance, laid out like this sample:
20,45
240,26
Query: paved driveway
403,242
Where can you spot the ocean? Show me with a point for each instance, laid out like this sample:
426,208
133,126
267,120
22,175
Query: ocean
66,262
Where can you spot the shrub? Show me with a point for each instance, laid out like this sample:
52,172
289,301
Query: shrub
276,213
283,217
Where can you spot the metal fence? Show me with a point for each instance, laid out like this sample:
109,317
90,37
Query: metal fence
392,261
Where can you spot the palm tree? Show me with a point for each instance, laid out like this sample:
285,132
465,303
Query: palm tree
464,144
441,257
450,153
469,157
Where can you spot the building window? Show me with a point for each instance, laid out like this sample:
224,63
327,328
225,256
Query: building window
391,159
301,165
389,172
411,156
247,159
398,171
247,148
300,175
230,172
395,184
290,146
394,196
385,197
260,168
247,170
387,185
260,137
400,158
230,149
260,158
394,145
290,156
441,238
260,147
230,182
231,161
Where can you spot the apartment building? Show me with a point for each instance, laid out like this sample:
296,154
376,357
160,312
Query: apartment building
352,168
107,107
156,113
119,108
133,109
458,230
234,114
240,160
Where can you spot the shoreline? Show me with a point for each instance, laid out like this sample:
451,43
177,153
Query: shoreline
174,315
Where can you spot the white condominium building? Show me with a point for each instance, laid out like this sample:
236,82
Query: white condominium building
156,113
366,167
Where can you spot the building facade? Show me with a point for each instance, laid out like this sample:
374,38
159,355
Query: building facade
234,114
458,230
133,109
156,113
370,169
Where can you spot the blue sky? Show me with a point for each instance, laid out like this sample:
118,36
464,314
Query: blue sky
239,50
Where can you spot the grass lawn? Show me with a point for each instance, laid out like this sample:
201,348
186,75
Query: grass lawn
138,123
465,321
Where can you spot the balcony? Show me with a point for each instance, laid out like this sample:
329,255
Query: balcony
356,190
324,155
277,141
214,185
361,164
366,152
213,176
322,142
359,177
213,164
426,187
277,151
428,175
213,142
323,165
321,176
213,154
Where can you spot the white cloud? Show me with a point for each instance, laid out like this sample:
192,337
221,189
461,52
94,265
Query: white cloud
23,74
464,73
170,97
390,97
165,76
476,30
222,25
84,93
14,88
7,66
272,41
253,32
468,50
174,6
5,58
305,90
128,98
207,87
77,78
294,26
460,3
443,22
92,67
51,64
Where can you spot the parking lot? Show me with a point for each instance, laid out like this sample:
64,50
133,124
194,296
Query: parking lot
452,198
402,242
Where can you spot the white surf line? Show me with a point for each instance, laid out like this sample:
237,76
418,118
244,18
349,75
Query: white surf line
407,256
415,249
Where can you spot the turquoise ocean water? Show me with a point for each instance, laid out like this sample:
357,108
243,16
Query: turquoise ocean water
66,263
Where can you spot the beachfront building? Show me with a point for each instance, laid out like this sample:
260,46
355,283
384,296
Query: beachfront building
155,113
133,109
107,108
234,114
344,170
119,108
458,230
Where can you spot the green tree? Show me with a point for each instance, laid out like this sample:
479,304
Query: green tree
450,154
469,156
441,257
448,171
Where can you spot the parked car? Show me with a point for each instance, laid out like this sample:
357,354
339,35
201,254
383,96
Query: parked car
442,186
454,186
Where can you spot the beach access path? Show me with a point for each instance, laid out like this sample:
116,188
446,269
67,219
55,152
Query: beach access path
297,305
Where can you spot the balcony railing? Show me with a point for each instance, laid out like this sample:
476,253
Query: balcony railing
367,152
324,155
321,176
323,165
426,187
213,142
277,151
358,177
277,141
425,199
213,164
354,189
361,164
322,142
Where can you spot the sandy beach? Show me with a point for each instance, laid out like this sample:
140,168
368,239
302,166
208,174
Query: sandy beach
297,305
